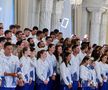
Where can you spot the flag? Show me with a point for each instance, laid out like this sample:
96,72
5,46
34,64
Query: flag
66,23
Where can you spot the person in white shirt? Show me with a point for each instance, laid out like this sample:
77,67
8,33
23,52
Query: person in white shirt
13,29
75,63
42,71
93,74
103,71
65,73
33,69
26,63
82,53
52,65
86,81
10,68
59,57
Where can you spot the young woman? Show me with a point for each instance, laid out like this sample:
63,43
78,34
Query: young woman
33,67
51,59
85,74
26,68
103,71
65,74
59,55
42,71
93,75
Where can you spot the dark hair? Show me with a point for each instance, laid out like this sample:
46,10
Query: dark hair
2,39
96,53
32,49
65,58
7,44
45,30
50,45
39,33
12,27
48,37
56,31
29,39
19,43
74,47
18,32
7,31
27,29
52,33
39,53
24,50
86,58
56,52
35,28
39,43
84,47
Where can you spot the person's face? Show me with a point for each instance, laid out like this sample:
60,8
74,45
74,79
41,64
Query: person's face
49,41
20,35
27,33
52,49
28,52
44,55
77,50
104,59
22,45
31,41
8,50
69,57
33,54
9,35
1,31
60,50
26,43
88,62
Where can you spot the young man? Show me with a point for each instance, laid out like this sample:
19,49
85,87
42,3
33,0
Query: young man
10,67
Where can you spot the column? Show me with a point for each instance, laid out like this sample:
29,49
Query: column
46,7
34,11
95,25
56,14
23,9
103,31
84,22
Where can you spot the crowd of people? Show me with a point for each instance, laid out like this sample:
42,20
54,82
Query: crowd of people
33,59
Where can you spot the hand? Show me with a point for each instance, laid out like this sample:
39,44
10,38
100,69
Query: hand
20,82
101,84
53,77
70,86
46,82
30,81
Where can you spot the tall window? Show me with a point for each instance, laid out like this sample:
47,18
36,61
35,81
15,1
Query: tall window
7,12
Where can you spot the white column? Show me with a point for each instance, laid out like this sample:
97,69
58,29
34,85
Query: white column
84,22
95,26
46,7
56,15
23,9
103,31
